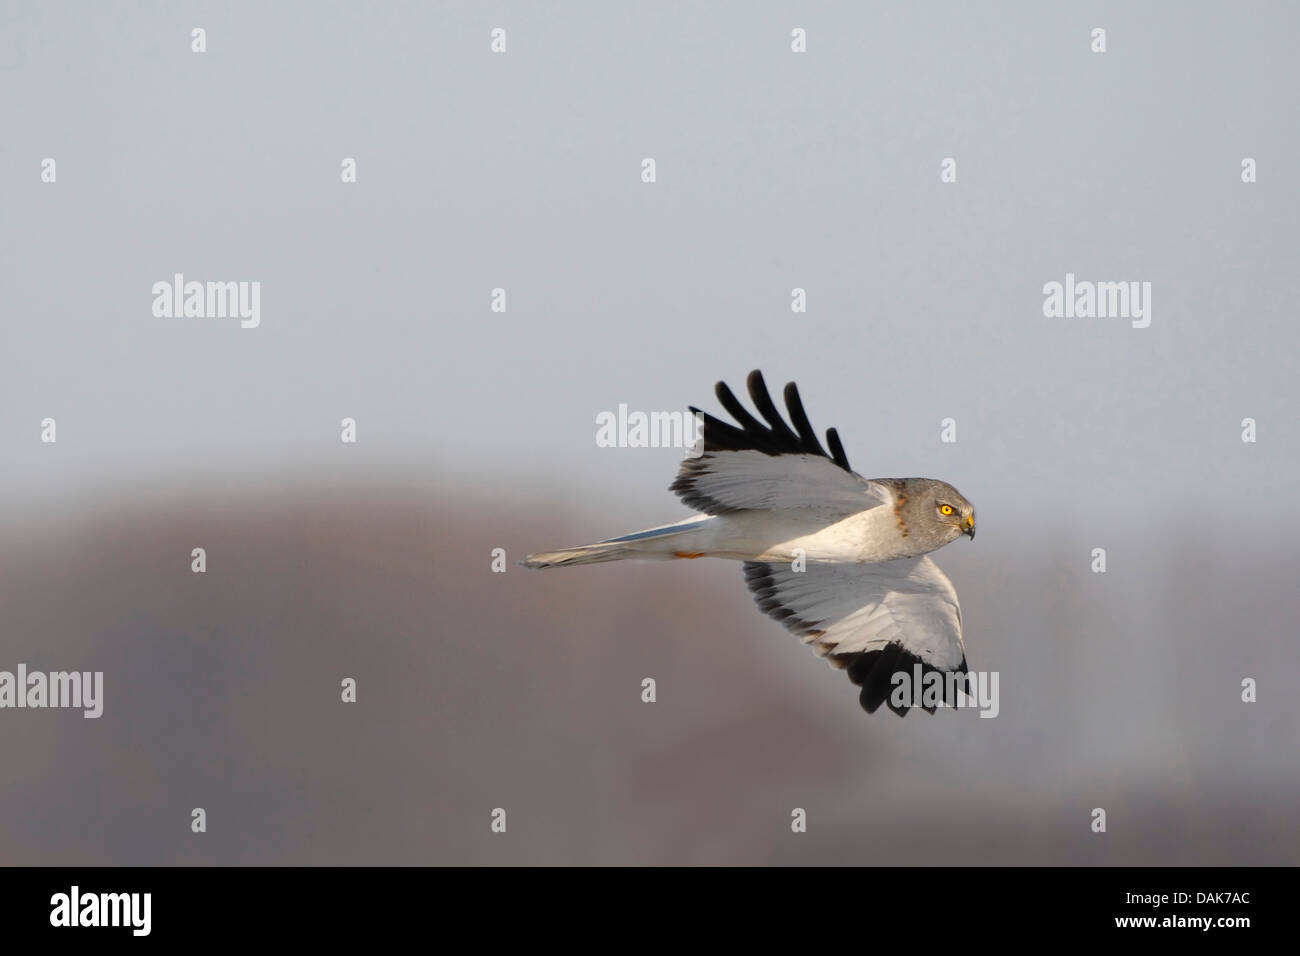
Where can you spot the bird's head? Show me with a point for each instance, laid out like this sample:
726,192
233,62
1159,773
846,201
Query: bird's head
936,512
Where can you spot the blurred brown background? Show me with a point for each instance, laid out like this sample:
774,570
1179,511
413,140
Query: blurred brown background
521,690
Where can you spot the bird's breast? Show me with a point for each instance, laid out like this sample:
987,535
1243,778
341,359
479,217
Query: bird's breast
865,537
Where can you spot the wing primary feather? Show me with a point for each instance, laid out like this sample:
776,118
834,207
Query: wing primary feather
799,418
876,686
837,449
766,408
722,436
738,411
773,437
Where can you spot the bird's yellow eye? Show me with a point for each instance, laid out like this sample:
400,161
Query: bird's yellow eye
945,509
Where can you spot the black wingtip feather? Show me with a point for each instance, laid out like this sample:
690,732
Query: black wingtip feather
874,672
767,408
837,449
799,418
772,436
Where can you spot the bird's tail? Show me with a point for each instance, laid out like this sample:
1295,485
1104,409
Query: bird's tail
642,544
584,554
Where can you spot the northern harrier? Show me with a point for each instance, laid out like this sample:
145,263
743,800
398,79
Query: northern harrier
840,560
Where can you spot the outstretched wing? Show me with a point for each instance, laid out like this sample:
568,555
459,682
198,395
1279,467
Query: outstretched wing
872,620
771,466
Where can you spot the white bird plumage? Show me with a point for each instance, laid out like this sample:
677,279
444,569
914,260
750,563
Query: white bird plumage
839,559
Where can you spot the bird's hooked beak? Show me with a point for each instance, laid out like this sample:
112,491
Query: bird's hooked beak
970,527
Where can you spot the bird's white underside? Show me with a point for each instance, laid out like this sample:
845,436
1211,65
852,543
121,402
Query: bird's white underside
863,584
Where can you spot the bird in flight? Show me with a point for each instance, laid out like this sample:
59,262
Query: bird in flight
840,560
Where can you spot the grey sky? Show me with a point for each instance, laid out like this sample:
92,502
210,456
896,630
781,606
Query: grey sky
775,170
